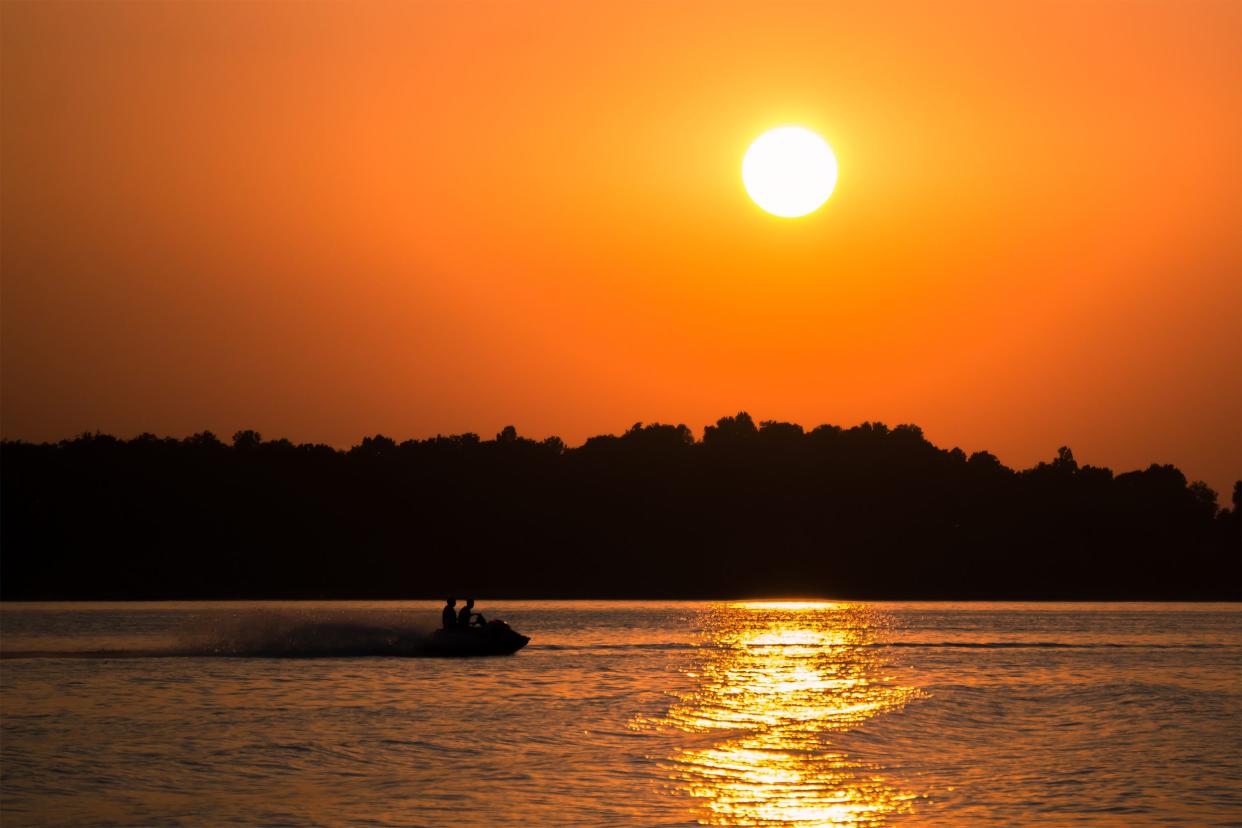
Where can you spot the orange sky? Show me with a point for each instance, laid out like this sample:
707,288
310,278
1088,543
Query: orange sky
325,221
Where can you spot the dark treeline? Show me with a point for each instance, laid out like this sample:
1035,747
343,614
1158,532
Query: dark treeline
863,512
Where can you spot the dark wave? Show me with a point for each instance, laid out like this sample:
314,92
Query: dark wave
352,641
377,649
267,636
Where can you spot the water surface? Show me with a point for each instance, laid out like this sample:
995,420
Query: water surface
782,714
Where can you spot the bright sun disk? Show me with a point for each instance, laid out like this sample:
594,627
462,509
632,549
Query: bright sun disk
789,171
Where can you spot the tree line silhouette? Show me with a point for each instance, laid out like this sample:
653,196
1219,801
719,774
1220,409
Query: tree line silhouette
748,510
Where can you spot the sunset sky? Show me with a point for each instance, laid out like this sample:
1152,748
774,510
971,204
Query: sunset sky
323,221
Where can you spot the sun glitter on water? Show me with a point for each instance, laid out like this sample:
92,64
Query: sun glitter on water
779,679
789,171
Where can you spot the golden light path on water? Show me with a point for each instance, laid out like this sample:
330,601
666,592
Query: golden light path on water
776,682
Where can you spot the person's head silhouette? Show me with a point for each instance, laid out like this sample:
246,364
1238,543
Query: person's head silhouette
452,602
469,603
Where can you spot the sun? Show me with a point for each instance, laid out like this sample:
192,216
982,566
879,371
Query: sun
789,171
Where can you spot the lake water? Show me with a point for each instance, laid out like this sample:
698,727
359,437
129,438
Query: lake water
783,714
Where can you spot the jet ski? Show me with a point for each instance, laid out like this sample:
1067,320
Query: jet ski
494,638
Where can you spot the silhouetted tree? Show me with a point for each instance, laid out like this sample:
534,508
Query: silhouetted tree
730,431
867,512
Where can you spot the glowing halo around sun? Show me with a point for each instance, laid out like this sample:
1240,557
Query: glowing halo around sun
789,171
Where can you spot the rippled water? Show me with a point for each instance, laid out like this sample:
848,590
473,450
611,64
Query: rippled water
796,714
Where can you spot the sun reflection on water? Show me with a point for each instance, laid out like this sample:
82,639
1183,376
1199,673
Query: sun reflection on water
777,681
